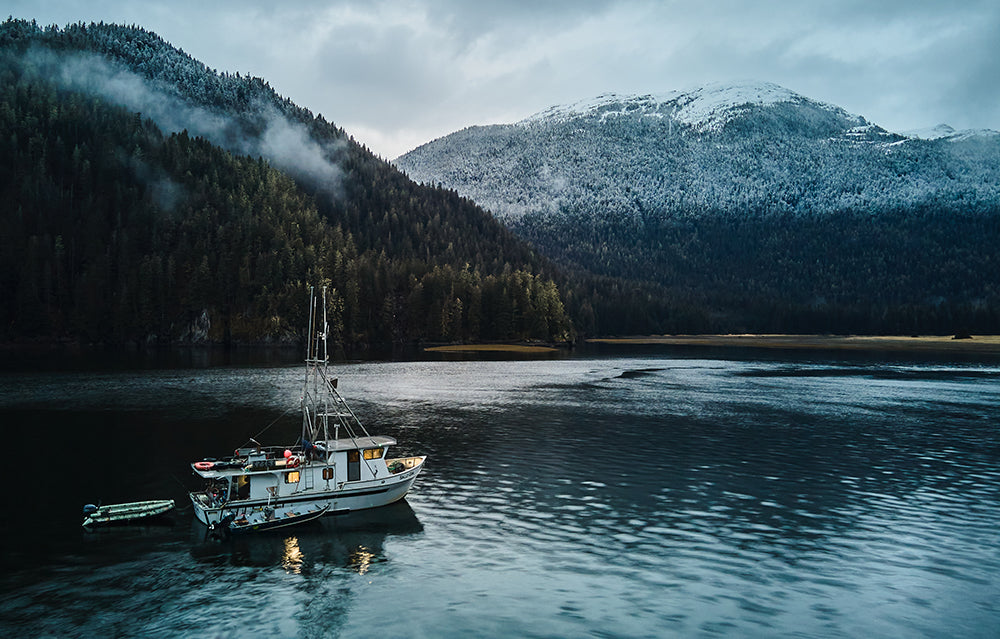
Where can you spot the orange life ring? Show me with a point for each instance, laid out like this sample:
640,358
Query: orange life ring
203,465
291,462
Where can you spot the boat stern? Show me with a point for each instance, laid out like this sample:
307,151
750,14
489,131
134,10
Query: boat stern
203,510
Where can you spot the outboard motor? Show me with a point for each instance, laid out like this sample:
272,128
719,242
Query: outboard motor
221,529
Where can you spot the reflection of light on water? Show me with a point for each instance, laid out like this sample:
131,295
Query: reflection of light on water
291,559
361,560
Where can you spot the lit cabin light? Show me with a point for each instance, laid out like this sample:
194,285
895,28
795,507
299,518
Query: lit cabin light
292,477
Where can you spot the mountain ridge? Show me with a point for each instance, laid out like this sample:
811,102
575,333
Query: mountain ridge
728,207
704,108
815,156
143,203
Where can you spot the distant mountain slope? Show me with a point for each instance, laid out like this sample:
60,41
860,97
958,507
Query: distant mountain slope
142,201
746,207
732,149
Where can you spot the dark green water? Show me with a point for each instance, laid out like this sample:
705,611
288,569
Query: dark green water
613,496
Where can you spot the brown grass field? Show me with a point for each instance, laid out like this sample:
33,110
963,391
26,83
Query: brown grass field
490,348
939,343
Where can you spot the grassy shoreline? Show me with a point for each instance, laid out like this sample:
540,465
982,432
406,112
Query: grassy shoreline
490,348
936,343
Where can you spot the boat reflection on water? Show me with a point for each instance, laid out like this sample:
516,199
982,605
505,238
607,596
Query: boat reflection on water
353,540
292,558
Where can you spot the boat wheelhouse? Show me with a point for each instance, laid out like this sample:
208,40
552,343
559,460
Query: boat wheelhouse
351,470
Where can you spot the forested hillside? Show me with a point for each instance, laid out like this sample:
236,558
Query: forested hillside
148,198
743,208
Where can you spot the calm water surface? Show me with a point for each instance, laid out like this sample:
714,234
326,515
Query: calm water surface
639,496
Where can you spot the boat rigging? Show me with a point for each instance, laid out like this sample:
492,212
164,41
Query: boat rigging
318,474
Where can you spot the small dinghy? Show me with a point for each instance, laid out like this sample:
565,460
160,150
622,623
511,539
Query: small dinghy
119,513
262,520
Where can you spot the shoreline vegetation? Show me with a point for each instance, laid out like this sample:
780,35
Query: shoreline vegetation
928,343
977,344
491,348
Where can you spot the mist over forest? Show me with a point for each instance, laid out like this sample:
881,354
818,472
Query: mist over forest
150,199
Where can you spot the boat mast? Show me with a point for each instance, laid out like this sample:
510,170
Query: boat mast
314,418
316,412
326,378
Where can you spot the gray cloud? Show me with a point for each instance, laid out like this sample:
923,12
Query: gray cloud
91,73
288,145
396,74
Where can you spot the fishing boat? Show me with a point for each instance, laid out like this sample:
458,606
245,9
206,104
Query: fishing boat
267,519
121,513
350,470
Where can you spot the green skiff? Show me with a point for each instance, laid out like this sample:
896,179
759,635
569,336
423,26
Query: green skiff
115,513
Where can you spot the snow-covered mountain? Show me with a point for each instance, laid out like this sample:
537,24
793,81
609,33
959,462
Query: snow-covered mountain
945,132
743,207
723,148
707,108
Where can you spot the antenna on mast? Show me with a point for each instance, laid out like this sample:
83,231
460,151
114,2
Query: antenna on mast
309,326
325,329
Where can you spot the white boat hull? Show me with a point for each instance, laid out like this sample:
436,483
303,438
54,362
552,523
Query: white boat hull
359,495
350,471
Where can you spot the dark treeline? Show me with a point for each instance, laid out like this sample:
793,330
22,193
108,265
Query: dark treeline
918,269
112,231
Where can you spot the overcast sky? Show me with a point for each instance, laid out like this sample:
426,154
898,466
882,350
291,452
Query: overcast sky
396,74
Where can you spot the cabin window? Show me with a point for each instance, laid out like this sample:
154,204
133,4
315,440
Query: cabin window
374,453
353,465
328,473
292,477
243,487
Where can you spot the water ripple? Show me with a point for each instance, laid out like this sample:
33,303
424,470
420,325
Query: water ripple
618,497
